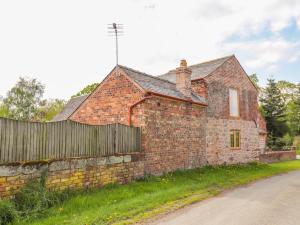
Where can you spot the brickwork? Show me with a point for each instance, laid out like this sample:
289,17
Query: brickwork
173,134
219,123
179,135
110,102
200,87
231,75
277,156
73,174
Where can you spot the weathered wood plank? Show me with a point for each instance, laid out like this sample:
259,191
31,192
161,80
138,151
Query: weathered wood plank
26,141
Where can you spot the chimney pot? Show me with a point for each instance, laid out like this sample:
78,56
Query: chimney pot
183,63
183,79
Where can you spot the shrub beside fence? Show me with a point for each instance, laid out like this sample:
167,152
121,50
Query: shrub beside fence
32,141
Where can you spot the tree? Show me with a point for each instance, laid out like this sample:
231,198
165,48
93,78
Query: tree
24,98
287,90
293,113
48,109
3,110
273,108
255,81
87,90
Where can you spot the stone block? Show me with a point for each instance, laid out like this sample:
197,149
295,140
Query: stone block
127,158
114,159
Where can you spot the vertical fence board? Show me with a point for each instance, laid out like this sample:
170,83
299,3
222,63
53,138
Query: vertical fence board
27,141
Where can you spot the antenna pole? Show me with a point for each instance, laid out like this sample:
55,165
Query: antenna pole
116,30
117,49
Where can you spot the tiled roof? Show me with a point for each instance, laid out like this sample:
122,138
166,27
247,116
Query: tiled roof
158,85
69,108
163,84
198,70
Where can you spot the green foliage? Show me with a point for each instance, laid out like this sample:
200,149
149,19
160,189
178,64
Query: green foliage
8,212
288,139
255,80
3,110
34,199
273,107
49,108
293,113
122,204
296,142
23,99
287,90
24,102
87,90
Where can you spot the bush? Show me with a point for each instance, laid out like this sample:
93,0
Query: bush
34,199
8,212
30,200
297,142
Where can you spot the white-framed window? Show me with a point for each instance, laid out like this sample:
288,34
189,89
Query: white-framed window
234,103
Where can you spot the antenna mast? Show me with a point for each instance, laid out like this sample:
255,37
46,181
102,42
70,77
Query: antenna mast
116,30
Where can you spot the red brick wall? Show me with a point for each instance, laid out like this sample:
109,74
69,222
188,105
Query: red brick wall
173,134
277,156
200,87
110,102
231,75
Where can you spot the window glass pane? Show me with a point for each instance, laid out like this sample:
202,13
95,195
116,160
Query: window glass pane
237,139
231,139
233,102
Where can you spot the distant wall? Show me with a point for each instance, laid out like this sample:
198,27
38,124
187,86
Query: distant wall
73,173
277,156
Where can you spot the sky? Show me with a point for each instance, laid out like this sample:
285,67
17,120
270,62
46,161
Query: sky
65,43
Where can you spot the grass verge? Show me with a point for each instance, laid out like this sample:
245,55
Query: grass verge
126,204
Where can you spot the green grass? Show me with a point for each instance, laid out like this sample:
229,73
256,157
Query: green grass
125,204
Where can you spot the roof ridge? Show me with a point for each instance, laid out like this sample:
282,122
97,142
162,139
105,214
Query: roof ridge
80,96
208,61
143,73
198,64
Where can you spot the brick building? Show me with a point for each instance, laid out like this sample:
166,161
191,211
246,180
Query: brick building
191,116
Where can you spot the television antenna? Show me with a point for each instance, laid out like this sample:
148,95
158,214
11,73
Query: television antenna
116,30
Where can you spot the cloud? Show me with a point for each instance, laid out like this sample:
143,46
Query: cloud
269,54
65,43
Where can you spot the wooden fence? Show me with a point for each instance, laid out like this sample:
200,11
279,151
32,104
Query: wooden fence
31,141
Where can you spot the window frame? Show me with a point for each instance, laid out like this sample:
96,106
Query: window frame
234,132
238,103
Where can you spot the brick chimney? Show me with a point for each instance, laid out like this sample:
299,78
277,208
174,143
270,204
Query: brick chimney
183,79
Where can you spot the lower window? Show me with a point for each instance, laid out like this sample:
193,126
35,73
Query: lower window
235,139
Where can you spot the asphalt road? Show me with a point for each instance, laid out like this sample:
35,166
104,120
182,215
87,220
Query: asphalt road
273,201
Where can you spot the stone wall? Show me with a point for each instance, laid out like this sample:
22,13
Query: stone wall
277,156
73,173
218,149
173,134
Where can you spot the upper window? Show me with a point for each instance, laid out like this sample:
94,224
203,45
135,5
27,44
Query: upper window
233,103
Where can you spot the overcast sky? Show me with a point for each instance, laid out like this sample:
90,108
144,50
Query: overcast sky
64,43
